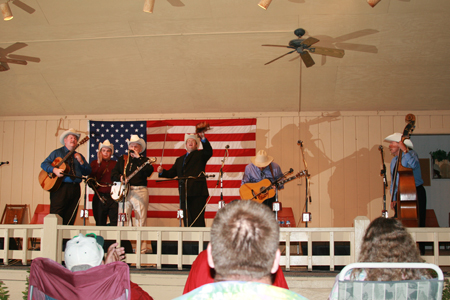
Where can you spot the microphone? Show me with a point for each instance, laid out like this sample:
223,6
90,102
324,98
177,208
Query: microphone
4,163
300,143
291,170
380,147
227,146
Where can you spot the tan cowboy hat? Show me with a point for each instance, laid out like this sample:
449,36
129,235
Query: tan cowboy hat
262,160
136,139
397,137
191,136
66,133
106,144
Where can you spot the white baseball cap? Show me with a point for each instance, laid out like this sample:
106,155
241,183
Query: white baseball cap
84,250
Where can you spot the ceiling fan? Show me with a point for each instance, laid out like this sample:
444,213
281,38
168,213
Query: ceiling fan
304,47
6,57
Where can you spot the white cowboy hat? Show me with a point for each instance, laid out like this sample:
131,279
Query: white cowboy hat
261,159
136,139
106,144
191,136
397,137
66,133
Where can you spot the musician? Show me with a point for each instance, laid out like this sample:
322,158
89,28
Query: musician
410,159
263,167
192,164
64,201
101,172
137,198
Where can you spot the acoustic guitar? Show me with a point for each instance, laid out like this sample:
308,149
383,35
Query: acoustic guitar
263,190
49,181
120,190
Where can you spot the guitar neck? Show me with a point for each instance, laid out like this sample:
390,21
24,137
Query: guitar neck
67,156
137,170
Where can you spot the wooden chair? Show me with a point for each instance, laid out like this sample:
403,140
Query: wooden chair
12,210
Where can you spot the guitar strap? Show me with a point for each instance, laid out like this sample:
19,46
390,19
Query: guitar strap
125,164
271,171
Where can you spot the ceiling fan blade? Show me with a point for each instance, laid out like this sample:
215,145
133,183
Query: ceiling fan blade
12,48
276,46
327,51
23,6
307,59
13,61
3,67
23,57
309,41
279,57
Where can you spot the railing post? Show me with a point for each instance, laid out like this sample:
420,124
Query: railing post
49,244
361,224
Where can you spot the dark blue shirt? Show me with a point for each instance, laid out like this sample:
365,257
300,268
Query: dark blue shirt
80,170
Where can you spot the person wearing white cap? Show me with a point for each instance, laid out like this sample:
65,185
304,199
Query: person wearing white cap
192,164
410,159
262,167
64,200
137,198
103,206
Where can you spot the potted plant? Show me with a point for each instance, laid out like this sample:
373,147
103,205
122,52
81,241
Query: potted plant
440,160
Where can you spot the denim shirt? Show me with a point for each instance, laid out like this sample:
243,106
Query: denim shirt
80,170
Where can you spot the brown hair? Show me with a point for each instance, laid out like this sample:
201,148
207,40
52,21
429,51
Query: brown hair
386,240
244,241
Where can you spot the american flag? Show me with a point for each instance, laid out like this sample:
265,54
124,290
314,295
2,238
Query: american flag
168,136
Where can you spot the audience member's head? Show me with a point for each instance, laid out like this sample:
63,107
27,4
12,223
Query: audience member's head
244,242
83,252
386,240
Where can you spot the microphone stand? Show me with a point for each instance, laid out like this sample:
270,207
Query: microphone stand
307,183
384,212
180,213
84,212
221,201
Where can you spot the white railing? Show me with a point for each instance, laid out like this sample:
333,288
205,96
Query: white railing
300,246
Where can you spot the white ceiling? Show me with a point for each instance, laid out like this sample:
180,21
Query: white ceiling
205,56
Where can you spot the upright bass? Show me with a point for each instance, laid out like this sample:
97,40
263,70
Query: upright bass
406,196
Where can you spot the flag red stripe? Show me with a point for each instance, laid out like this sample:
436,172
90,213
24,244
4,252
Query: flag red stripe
212,137
216,152
217,122
176,199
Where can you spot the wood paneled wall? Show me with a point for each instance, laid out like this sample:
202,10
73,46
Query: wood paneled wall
340,149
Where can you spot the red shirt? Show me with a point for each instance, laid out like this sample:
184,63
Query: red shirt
200,274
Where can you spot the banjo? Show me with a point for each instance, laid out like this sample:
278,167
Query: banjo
119,190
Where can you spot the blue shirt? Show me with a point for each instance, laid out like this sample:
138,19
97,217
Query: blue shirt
254,174
80,170
409,160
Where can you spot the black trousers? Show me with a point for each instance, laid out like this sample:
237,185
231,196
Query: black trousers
195,205
103,211
64,202
422,205
269,202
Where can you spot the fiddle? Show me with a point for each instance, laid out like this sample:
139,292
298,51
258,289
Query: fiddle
202,127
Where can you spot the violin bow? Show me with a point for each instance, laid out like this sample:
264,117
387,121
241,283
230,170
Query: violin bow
164,146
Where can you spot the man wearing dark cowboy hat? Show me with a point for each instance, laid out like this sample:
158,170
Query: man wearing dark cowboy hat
101,171
64,201
263,167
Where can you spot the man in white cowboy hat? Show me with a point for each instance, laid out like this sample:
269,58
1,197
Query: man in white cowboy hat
137,198
192,164
64,201
263,167
103,206
410,159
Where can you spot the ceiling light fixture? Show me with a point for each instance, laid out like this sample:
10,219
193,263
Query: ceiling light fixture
373,2
264,3
6,11
148,6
